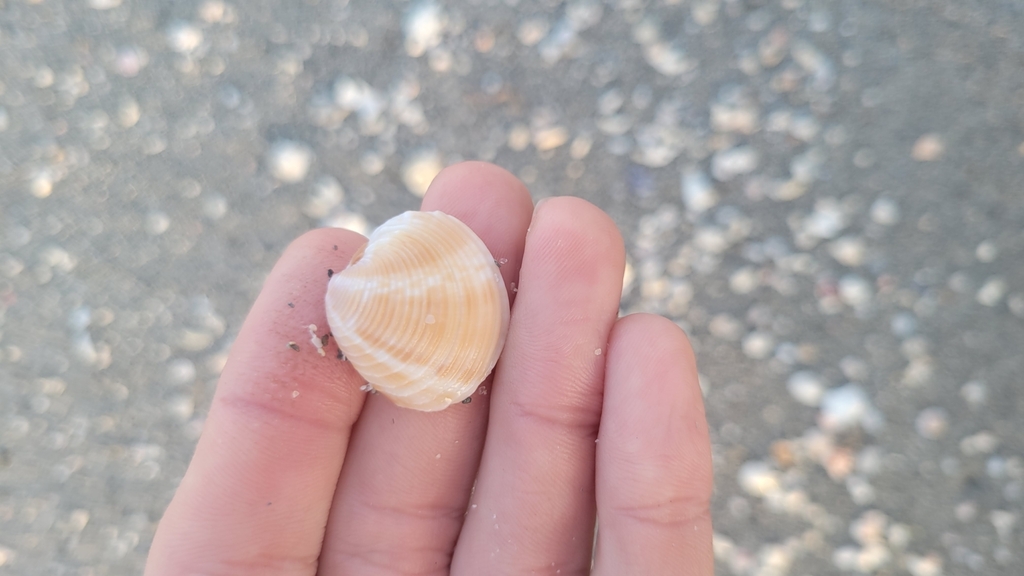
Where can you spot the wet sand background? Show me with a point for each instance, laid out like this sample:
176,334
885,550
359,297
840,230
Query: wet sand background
828,196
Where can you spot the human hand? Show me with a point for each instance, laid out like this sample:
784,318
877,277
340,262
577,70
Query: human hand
299,472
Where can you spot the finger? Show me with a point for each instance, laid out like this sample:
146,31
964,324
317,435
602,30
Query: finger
654,456
533,507
408,475
255,497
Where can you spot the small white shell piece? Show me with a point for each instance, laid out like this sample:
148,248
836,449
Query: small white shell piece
421,311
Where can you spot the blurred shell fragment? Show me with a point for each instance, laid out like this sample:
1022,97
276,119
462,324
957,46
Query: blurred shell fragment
421,312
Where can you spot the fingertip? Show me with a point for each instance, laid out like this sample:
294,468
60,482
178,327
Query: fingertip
578,241
575,215
653,340
277,430
323,239
654,473
493,203
652,386
474,186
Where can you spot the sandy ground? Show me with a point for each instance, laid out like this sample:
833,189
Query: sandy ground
828,196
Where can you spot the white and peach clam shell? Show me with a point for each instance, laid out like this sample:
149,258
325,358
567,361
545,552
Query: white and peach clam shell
421,311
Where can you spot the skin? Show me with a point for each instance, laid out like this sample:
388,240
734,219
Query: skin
586,415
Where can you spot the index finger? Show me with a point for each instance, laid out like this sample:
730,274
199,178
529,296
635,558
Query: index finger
258,490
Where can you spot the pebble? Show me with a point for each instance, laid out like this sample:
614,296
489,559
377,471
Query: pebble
423,25
214,11
855,291
872,558
628,276
995,467
728,164
84,349
128,112
861,491
903,325
772,47
1003,521
845,558
744,280
10,266
353,94
610,101
668,58
820,21
104,4
806,168
583,14
616,125
326,194
658,145
518,137
898,536
289,160
215,206
559,41
869,528
372,162
348,220
735,111
581,146
1016,304
41,184
549,138
726,327
885,212
419,170
960,282
184,37
758,479
806,387
991,292
181,408
194,340
986,252
804,127
826,221
180,372
532,30
928,148
848,250
758,345
815,63
975,393
157,223
698,194
130,60
932,423
711,239
966,512
978,444
919,371
845,407
930,565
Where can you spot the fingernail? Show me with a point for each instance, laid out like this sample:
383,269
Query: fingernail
540,202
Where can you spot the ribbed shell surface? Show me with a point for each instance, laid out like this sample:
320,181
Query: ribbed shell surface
422,312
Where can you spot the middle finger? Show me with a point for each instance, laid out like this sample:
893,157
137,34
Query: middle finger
406,480
533,507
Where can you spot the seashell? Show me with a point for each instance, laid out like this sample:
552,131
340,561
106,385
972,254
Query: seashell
421,311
